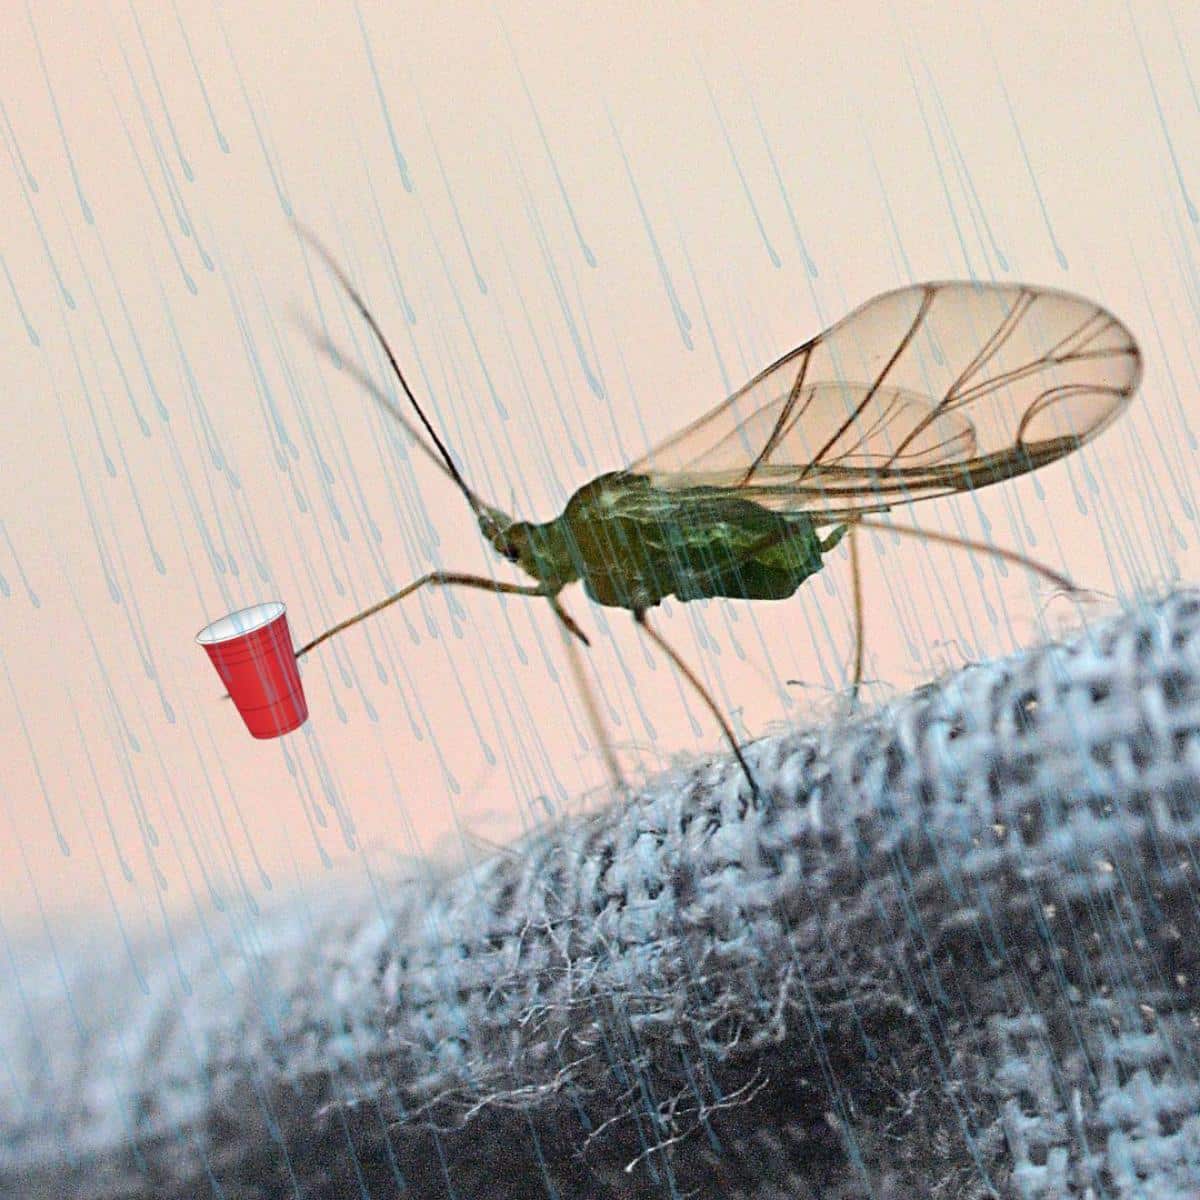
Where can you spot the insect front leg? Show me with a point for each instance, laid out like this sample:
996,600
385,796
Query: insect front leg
433,579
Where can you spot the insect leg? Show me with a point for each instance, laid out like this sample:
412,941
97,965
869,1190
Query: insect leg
569,622
947,539
639,615
568,626
856,591
435,579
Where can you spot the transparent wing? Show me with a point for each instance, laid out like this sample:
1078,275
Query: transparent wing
924,391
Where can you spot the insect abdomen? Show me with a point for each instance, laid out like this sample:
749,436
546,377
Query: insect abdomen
634,544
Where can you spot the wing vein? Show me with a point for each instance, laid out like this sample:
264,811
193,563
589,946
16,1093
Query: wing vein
905,341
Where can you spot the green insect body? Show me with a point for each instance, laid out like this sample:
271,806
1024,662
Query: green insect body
632,545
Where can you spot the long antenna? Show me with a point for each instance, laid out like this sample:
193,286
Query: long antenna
360,376
365,312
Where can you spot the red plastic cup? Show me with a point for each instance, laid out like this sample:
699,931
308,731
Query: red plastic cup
252,651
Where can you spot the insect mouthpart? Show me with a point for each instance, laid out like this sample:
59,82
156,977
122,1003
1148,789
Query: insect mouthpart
496,528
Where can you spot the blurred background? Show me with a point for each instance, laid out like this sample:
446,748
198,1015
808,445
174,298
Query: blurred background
581,226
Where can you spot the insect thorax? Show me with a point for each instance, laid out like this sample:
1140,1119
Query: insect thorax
632,545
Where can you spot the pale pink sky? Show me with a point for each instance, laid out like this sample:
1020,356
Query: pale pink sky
158,813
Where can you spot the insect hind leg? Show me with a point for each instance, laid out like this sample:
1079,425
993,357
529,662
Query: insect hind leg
856,592
947,539
639,616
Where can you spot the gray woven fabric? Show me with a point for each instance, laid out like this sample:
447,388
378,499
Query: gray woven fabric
954,954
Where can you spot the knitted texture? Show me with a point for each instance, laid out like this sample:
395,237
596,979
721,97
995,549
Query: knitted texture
953,952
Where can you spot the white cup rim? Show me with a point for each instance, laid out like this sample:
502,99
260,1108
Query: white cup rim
240,622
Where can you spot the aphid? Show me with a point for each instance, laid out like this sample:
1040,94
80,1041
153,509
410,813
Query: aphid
925,391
